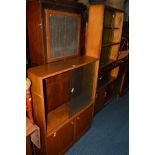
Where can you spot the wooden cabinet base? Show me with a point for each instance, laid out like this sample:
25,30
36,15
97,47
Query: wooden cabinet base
62,138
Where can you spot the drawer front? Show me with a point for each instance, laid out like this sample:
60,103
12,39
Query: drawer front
61,139
84,121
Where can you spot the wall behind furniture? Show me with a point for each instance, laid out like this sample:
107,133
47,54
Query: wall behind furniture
120,4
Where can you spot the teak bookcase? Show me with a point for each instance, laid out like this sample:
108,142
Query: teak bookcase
63,96
105,24
55,31
63,91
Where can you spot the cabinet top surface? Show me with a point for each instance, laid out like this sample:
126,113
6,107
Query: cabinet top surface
51,69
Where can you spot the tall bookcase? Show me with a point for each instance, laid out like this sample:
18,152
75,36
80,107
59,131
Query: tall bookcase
64,84
108,34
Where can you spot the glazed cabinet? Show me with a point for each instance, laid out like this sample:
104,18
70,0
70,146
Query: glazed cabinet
55,30
63,96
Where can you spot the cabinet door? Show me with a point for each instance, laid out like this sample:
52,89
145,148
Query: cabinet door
61,139
82,87
83,121
57,90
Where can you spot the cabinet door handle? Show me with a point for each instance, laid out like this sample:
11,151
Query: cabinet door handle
72,90
100,78
54,134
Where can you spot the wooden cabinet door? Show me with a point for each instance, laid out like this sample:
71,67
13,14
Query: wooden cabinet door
83,121
61,139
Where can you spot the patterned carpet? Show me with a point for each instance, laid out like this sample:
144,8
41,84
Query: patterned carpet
109,134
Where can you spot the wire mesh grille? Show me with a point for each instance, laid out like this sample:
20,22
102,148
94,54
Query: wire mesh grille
63,35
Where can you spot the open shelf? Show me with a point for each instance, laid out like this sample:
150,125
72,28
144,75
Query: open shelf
106,80
106,44
106,63
58,116
110,27
78,103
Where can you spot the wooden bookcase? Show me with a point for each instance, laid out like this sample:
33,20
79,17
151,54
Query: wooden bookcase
64,87
55,31
63,96
105,27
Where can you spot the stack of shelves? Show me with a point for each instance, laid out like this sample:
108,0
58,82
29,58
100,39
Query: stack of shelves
63,100
110,39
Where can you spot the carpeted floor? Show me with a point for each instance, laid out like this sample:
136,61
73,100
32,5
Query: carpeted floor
109,134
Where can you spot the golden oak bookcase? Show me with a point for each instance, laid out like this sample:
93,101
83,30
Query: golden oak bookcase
63,96
105,26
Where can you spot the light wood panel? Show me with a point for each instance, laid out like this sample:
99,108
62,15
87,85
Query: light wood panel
45,71
95,29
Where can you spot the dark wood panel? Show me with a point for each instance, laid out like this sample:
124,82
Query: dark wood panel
83,121
59,140
57,90
35,33
28,146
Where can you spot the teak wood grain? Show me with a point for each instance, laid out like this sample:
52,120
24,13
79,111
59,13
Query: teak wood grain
35,33
103,41
57,90
94,32
56,117
47,70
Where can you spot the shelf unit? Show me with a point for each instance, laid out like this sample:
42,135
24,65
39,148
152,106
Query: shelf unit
109,38
63,108
122,83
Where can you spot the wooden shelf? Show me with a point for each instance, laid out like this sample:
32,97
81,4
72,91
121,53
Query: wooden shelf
57,117
106,44
110,27
123,54
79,103
106,63
51,69
106,81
